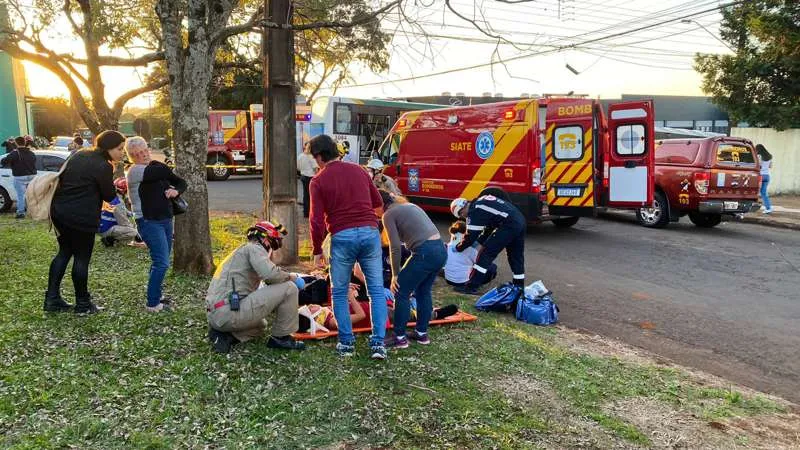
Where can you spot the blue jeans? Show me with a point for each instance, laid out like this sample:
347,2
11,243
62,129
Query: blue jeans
157,234
20,186
764,195
417,276
362,245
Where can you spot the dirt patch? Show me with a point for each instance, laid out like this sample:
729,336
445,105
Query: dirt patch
581,342
566,430
584,343
670,428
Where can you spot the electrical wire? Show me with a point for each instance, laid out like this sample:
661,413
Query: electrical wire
544,52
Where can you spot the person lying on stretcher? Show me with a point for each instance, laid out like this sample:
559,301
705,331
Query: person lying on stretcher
315,318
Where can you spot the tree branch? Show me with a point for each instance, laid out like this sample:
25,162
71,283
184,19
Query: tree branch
117,61
75,93
233,30
339,24
124,98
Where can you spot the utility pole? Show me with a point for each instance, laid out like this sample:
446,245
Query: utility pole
280,160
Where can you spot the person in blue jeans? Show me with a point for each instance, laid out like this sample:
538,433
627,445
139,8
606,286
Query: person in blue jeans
23,167
151,186
765,158
408,223
343,204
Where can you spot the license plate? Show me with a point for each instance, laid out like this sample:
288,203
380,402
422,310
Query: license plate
238,157
568,192
730,205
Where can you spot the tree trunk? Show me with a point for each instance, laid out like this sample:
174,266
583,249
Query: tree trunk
190,70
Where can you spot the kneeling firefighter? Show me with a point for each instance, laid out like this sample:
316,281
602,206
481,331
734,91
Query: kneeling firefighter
237,308
496,224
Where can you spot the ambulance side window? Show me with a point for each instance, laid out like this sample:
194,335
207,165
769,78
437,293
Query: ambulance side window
568,143
228,122
391,149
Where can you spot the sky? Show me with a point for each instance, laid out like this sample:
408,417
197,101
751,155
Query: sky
598,39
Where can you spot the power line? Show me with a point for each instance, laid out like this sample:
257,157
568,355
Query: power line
543,52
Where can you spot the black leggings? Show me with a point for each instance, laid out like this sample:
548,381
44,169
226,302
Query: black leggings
71,244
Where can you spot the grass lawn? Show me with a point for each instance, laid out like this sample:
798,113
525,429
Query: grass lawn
129,379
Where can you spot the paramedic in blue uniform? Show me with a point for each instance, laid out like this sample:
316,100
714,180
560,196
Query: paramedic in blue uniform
496,224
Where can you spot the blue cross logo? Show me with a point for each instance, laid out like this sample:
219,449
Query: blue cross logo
484,145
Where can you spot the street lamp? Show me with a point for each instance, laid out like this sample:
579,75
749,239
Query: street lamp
688,21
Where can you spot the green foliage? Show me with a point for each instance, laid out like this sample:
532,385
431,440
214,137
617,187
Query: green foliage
54,117
129,379
323,56
760,84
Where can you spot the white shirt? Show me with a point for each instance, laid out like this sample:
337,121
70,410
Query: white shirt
459,264
306,165
765,166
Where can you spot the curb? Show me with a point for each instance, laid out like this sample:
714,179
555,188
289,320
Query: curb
769,222
754,220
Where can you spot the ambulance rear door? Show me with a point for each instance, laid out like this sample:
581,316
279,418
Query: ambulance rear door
569,158
629,163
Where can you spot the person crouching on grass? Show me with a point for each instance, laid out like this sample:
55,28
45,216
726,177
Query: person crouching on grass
237,307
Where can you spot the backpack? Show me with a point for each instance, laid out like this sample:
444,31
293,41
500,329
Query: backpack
40,193
540,310
500,299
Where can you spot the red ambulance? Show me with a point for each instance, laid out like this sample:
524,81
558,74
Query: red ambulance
557,158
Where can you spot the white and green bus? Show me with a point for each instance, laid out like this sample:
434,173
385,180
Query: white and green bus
358,124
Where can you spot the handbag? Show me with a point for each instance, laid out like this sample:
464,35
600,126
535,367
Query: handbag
540,310
40,193
179,205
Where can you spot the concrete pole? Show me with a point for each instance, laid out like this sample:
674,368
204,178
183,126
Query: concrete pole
280,160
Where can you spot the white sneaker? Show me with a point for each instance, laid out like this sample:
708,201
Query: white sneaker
158,308
767,211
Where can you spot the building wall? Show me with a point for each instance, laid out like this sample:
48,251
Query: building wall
13,120
785,149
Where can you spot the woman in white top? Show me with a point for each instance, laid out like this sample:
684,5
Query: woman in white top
766,164
307,167
459,264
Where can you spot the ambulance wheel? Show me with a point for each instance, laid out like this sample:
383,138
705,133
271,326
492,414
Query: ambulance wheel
657,216
5,200
705,220
565,222
218,173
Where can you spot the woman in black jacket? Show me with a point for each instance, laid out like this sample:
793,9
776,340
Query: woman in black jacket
84,184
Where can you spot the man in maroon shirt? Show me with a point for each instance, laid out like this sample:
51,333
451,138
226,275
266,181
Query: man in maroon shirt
343,203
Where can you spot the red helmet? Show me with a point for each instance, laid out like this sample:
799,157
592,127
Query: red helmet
270,235
121,184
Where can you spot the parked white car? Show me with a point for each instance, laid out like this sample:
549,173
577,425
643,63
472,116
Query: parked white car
46,161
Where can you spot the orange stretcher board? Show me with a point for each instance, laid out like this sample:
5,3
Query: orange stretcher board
458,317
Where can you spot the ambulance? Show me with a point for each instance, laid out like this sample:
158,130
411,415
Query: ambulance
556,158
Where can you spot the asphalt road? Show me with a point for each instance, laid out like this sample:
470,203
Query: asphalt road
724,300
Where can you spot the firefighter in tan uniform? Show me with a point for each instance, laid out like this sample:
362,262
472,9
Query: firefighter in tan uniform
236,306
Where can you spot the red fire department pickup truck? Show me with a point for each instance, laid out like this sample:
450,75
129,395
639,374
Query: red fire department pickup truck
704,179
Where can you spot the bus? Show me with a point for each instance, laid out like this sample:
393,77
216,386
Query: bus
360,125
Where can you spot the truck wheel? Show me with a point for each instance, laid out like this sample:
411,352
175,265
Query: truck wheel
705,220
5,200
565,222
658,215
217,173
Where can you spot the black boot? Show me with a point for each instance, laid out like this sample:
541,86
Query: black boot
285,343
54,303
84,305
221,341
